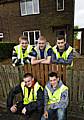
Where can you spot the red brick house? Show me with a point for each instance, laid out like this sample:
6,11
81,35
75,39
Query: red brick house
35,17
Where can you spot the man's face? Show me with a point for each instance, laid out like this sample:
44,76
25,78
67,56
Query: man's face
42,44
53,81
61,44
24,43
28,81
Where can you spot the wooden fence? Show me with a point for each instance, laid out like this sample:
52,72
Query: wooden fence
73,77
10,76
75,82
40,71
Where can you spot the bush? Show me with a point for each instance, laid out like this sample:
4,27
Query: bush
6,50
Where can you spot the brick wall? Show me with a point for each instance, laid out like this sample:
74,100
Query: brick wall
13,24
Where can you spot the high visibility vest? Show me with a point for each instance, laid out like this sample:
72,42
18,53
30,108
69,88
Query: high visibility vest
19,52
65,53
33,93
45,51
56,96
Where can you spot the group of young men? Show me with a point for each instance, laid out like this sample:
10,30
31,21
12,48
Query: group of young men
24,53
44,103
52,100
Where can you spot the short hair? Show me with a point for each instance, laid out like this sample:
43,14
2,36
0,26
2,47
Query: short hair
23,37
41,38
52,74
60,37
28,75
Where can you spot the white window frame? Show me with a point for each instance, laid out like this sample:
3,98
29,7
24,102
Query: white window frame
35,40
1,35
24,8
58,6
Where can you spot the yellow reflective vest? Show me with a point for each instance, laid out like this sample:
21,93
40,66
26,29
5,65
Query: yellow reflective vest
33,93
45,51
56,96
65,53
19,52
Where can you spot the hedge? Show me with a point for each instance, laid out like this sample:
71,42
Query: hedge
6,50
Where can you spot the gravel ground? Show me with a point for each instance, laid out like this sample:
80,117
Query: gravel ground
8,116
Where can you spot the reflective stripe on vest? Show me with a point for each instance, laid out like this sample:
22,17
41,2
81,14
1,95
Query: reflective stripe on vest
45,52
56,96
18,49
65,53
33,93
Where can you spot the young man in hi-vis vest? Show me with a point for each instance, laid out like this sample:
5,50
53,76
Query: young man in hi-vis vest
42,52
55,99
32,98
22,53
63,52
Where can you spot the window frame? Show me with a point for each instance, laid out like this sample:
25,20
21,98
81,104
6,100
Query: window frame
34,31
25,12
62,6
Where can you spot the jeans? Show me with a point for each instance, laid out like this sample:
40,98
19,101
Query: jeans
58,114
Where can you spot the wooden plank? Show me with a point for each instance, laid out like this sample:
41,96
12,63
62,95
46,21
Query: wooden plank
34,71
50,67
81,91
54,68
42,70
26,68
75,86
29,68
69,82
38,75
3,81
59,70
64,73
46,73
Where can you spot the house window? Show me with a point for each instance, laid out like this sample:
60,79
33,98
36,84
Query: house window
29,7
32,36
1,36
60,5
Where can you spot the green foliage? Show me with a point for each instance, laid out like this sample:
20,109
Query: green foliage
6,50
76,33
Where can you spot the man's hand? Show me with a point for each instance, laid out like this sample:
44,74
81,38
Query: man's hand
24,111
61,61
13,108
45,114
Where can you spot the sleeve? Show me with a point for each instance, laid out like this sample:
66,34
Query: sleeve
15,59
54,58
38,104
14,56
45,100
64,100
12,94
50,52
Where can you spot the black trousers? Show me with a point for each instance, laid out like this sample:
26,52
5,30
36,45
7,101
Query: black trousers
33,115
